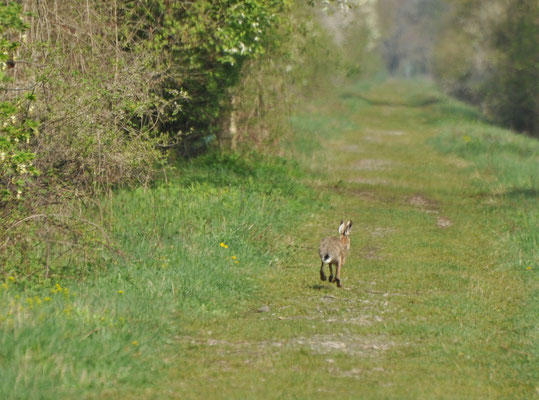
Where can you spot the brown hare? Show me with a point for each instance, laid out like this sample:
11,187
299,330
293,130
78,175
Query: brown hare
333,251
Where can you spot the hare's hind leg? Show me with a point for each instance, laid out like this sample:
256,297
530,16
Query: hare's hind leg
338,272
331,272
322,275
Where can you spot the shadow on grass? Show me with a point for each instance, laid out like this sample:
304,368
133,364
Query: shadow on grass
412,102
319,287
518,193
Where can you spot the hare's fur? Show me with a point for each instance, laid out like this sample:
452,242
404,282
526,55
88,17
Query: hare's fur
333,251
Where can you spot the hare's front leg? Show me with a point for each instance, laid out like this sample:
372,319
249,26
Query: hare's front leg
338,273
322,275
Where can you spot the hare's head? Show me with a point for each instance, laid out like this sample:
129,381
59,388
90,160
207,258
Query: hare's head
344,228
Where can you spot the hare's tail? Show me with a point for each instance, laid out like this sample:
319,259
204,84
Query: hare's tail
326,259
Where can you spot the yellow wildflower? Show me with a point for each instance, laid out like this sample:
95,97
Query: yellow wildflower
12,279
233,257
529,267
134,343
47,299
120,291
57,288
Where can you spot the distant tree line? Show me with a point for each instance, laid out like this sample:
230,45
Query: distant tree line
485,52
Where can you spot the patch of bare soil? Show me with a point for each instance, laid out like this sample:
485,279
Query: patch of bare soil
359,345
365,346
381,231
369,181
421,202
429,206
371,164
357,192
351,148
424,204
380,136
444,222
371,253
379,132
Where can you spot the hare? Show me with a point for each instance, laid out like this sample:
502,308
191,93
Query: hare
333,251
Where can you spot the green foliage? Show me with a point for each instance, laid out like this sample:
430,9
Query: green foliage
513,93
117,86
204,45
16,125
301,62
487,55
98,116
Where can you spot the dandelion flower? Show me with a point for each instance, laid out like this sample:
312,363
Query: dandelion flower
529,267
222,244
47,299
134,343
120,292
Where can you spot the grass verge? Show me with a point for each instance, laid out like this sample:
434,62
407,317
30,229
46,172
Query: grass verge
194,247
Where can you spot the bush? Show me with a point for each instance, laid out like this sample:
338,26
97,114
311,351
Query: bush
97,105
97,98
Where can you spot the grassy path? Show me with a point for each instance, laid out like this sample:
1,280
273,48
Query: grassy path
219,297
435,304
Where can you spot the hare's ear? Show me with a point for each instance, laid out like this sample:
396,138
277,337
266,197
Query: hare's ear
348,227
341,228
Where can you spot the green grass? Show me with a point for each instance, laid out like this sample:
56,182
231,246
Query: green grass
112,332
440,289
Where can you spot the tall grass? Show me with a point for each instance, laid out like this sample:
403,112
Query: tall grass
193,248
509,179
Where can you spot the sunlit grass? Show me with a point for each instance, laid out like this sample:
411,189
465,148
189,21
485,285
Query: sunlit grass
439,297
193,249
